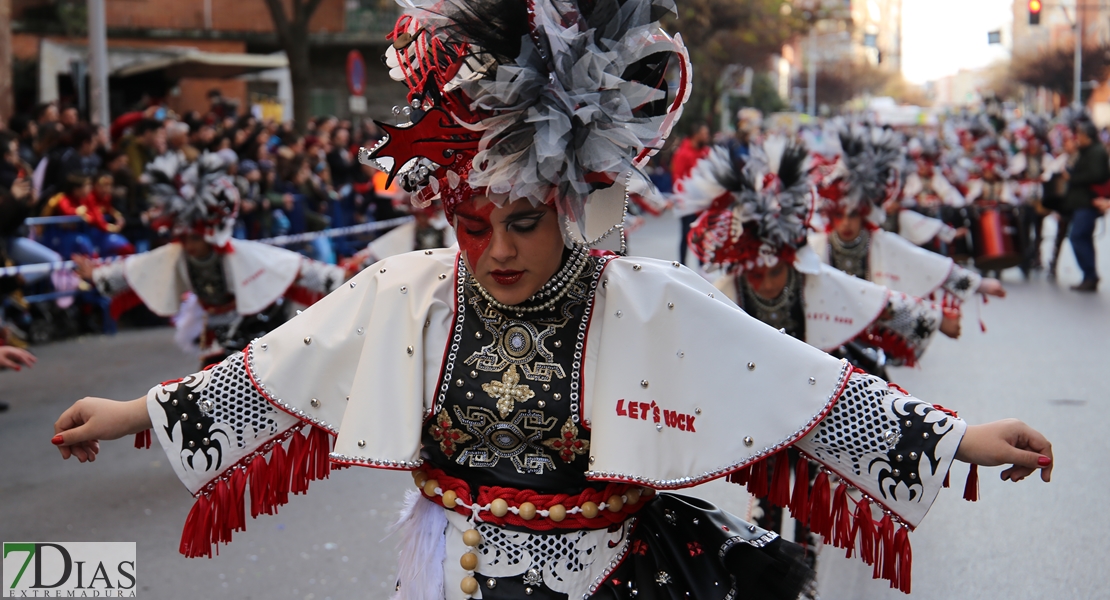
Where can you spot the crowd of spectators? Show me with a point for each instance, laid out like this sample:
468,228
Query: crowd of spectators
291,180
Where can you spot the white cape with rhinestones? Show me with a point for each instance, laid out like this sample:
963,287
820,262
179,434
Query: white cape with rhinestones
257,274
838,306
370,355
898,264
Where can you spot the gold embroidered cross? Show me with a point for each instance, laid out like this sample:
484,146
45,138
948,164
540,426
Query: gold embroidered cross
507,392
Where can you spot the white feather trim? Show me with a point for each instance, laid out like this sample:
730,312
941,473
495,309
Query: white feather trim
423,545
188,324
697,191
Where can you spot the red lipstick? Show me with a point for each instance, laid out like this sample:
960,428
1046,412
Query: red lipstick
506,277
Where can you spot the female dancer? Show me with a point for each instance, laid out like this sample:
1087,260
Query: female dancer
541,393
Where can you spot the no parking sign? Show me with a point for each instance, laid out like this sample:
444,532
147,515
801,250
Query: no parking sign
356,73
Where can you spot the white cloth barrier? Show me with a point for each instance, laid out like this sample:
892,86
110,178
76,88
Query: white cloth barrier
281,240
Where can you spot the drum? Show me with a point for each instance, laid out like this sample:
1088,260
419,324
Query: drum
997,239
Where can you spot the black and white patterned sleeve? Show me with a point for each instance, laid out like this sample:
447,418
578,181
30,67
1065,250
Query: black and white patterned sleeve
962,283
907,327
892,446
215,420
109,279
320,277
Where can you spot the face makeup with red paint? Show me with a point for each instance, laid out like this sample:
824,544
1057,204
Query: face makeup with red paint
512,251
847,226
768,283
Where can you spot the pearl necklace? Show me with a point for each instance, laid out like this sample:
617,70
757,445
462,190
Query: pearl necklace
559,285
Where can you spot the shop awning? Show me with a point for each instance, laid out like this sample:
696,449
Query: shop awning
196,64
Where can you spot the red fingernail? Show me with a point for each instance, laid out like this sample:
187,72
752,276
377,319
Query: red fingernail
57,440
1044,461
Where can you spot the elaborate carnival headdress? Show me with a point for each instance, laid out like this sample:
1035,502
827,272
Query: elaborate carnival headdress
867,175
758,211
557,101
198,198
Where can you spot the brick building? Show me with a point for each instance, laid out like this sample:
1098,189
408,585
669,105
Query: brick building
49,39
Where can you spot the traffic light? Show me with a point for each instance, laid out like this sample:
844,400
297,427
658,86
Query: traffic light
1034,12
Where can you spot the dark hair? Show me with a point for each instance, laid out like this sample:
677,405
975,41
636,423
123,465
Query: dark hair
112,155
81,135
72,182
148,125
41,109
19,124
214,93
6,139
1086,127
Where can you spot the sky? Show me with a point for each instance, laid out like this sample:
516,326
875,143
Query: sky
940,37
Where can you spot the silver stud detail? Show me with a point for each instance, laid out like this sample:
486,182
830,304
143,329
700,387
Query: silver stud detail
204,441
359,331
676,264
174,402
477,335
659,427
315,403
540,404
643,383
913,475
428,252
199,426
184,417
264,347
410,350
404,289
913,456
458,382
751,528
812,381
557,396
473,374
751,366
619,314
748,441
896,473
491,583
697,411
558,344
190,396
925,435
670,306
362,443
470,396
192,444
898,458
443,276
636,267
307,340
547,387
352,285
909,423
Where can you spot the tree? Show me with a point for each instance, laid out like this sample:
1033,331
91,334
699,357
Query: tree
719,33
292,33
839,82
1053,69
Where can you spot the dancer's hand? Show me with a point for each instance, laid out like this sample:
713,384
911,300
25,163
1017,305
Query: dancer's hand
83,266
992,287
16,358
1008,441
950,324
81,427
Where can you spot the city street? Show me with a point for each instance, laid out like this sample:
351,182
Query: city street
1042,360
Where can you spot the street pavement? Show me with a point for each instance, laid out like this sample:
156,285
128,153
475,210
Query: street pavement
1043,360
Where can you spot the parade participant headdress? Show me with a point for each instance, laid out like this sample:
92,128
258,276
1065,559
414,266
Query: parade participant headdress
550,101
759,210
867,176
197,198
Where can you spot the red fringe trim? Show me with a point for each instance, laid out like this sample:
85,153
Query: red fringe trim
891,343
799,501
123,303
221,512
830,514
780,481
142,439
971,486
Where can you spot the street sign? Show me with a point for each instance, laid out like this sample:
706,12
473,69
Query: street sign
356,73
357,104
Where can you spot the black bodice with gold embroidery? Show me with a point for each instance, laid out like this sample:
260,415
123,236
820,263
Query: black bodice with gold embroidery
508,410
